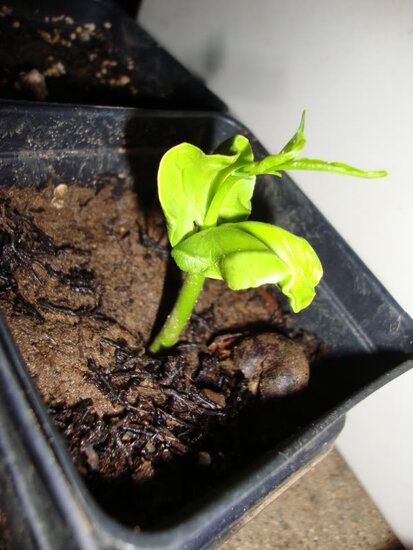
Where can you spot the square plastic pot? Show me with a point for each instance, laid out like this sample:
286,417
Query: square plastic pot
368,337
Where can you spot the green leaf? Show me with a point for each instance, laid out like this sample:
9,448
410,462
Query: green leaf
296,143
286,160
271,163
185,184
236,145
336,167
232,199
250,254
198,190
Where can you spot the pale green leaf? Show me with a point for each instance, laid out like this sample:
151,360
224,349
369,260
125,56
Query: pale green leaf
271,163
249,254
198,190
296,143
336,167
186,179
232,199
286,160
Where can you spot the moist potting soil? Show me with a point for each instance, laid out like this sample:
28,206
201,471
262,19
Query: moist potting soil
85,281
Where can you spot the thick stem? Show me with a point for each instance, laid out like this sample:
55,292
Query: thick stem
169,333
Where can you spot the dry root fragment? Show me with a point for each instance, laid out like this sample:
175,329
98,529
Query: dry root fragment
56,70
59,196
35,82
91,27
91,455
120,82
50,38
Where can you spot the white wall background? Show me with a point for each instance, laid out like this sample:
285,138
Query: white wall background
350,64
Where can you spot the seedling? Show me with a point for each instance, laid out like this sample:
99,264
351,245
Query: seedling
206,200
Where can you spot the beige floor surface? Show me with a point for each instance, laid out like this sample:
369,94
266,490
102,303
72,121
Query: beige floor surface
325,509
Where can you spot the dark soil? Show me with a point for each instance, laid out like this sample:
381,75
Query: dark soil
57,58
82,273
101,61
5,538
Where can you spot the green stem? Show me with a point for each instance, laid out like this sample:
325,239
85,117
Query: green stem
181,312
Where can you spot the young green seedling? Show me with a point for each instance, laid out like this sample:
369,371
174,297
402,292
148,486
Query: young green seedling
206,200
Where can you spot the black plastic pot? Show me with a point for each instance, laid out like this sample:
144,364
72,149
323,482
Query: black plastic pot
369,338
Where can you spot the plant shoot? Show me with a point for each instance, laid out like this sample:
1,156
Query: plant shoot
206,200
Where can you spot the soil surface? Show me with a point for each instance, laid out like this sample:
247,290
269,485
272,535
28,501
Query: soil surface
100,61
85,276
55,58
5,538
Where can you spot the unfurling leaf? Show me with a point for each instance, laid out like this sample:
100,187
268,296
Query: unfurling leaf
197,190
271,163
286,160
336,167
250,254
